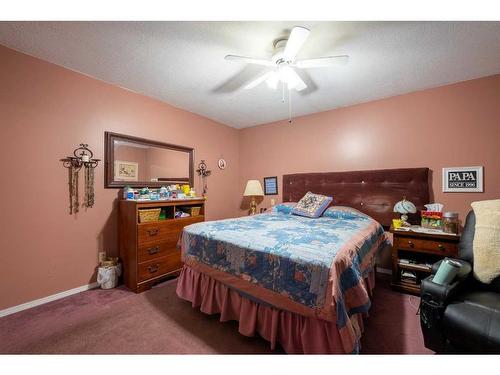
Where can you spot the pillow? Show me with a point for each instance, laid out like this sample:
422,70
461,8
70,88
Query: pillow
486,239
343,212
285,208
312,205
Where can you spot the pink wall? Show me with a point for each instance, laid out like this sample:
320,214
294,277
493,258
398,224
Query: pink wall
46,111
449,126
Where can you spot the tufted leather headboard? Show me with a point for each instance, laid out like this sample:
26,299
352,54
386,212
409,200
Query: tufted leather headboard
371,192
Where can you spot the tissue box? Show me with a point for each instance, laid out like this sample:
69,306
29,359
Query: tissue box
432,219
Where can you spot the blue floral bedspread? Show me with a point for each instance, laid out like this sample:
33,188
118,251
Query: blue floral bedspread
288,254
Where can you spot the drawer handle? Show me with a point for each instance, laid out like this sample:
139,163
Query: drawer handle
411,244
153,232
441,247
153,268
154,250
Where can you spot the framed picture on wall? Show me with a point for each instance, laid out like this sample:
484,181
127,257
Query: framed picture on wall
463,180
271,185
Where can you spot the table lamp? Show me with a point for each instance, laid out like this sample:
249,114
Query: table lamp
253,189
405,207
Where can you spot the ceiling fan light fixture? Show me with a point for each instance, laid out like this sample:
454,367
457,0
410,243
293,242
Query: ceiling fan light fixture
286,74
283,73
272,81
290,77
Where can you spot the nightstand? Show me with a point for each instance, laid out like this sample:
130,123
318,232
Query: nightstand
414,253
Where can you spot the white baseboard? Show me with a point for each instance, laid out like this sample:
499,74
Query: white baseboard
384,270
41,301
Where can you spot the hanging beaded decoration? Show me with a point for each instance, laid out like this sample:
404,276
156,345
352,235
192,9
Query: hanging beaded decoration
89,186
82,157
74,204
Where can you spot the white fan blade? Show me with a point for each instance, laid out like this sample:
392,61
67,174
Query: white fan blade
258,80
249,60
294,81
297,38
322,61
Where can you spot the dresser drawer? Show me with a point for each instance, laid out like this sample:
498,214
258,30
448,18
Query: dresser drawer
428,246
167,231
159,266
155,250
156,232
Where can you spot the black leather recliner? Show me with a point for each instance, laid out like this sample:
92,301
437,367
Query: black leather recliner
464,316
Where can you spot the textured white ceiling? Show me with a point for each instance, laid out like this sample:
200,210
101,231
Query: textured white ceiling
182,63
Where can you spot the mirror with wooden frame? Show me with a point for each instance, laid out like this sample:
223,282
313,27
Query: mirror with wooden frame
139,162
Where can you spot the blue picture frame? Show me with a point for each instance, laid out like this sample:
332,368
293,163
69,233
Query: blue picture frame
271,185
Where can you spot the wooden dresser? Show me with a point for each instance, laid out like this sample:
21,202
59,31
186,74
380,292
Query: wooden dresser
149,250
415,253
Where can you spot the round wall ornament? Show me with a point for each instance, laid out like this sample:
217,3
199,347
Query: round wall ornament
222,164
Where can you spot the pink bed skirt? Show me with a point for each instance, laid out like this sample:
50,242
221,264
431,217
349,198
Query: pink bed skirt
295,333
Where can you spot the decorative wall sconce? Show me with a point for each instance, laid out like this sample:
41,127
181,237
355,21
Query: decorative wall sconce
203,172
82,157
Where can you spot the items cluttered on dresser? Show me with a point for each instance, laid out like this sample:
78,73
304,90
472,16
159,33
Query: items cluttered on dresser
163,193
82,158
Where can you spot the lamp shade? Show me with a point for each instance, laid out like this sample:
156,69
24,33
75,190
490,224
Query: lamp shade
253,188
405,207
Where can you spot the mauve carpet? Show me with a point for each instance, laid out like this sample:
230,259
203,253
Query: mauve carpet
118,321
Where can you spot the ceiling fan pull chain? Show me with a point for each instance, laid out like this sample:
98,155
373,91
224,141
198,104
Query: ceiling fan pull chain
289,106
283,92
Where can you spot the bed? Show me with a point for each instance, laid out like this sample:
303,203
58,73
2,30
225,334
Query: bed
304,283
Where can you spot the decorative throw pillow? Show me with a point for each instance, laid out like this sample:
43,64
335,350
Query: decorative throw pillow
486,239
312,205
285,208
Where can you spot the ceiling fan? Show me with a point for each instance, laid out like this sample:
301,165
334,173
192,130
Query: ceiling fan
284,62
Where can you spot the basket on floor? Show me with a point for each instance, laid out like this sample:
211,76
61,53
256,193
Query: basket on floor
150,214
